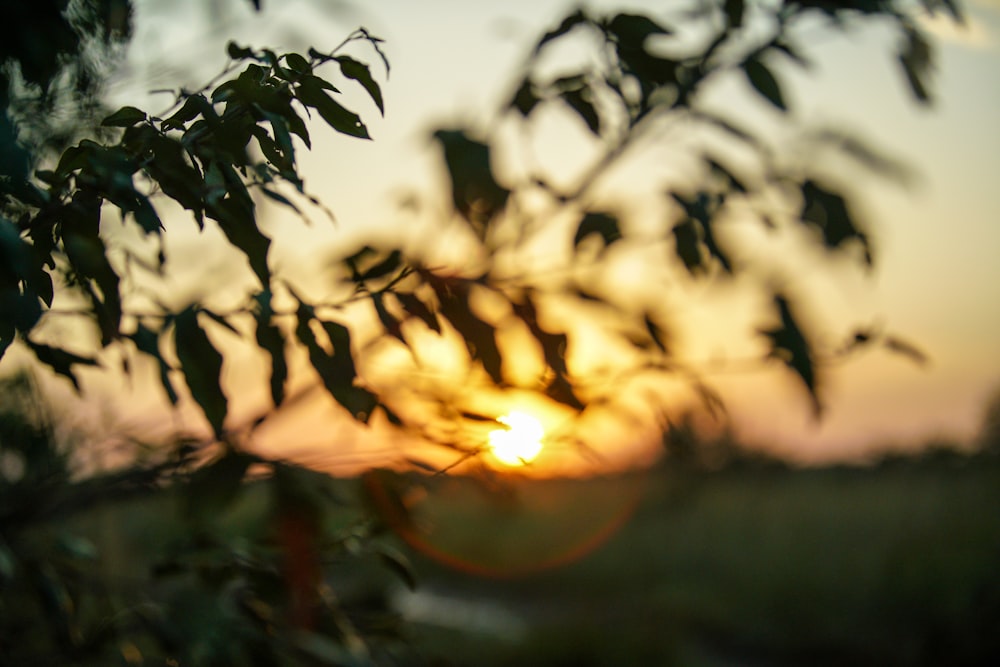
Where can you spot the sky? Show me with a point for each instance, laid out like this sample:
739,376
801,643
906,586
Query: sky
936,284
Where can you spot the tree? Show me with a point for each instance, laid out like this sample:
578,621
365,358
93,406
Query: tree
217,150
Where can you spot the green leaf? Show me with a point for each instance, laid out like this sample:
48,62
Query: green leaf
359,72
124,117
763,81
598,223
201,364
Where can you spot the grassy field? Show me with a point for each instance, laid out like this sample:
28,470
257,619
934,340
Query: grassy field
750,565
898,565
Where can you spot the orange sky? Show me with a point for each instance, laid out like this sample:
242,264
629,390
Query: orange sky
938,278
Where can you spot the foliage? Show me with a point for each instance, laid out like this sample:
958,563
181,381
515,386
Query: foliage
220,149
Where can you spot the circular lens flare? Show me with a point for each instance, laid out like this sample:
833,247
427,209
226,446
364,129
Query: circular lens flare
520,442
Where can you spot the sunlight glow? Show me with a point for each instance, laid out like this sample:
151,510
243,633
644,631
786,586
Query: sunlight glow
520,442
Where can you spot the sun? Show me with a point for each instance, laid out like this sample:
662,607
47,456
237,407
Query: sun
520,442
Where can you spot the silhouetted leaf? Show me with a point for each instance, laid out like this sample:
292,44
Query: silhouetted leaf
525,99
789,344
59,360
383,268
634,29
658,335
598,223
579,102
828,212
864,153
192,107
561,391
688,247
214,487
238,223
359,72
417,308
6,336
907,349
916,58
201,364
271,340
124,117
955,10
714,250
568,23
475,192
792,52
147,342
422,465
731,180
734,12
336,370
280,198
479,336
310,92
237,52
86,251
763,81
298,63
398,562
391,324
554,352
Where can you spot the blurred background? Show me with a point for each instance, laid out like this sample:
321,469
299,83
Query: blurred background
765,537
